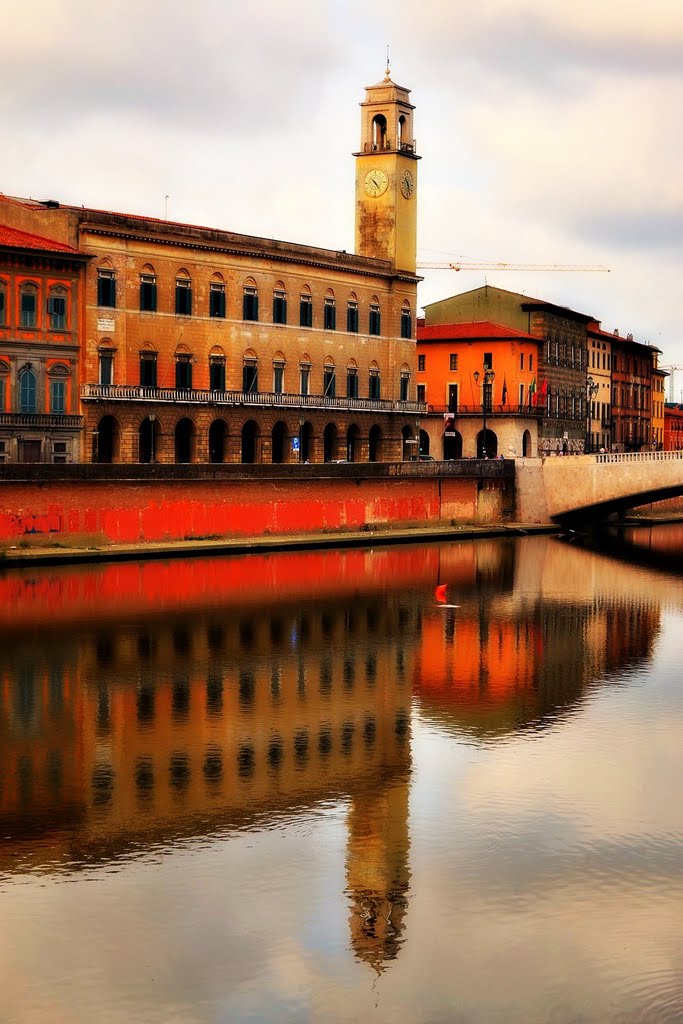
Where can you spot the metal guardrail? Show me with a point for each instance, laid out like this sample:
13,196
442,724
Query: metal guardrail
268,399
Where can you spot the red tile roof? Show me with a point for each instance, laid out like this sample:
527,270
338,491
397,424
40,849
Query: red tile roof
23,240
471,330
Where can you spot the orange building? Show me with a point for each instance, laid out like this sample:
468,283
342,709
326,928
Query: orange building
479,381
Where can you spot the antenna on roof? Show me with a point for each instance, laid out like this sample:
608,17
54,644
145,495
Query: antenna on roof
388,68
166,208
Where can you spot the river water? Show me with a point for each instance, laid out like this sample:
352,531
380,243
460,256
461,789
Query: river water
313,787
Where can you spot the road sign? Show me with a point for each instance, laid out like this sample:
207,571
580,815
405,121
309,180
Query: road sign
295,444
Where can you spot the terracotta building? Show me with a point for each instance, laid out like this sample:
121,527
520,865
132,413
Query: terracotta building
479,383
200,344
632,366
40,336
560,381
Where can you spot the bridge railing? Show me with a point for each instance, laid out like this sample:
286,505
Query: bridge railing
638,456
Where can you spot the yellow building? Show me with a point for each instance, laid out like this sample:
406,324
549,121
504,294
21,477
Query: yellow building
202,345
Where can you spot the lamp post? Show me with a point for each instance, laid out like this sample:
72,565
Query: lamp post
591,391
486,382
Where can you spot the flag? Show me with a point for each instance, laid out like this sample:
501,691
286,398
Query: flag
505,392
543,392
532,392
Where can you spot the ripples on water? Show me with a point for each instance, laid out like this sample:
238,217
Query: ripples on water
300,787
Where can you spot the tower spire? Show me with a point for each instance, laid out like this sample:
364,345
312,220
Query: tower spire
388,70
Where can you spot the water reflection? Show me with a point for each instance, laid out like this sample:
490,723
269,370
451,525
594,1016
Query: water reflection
210,699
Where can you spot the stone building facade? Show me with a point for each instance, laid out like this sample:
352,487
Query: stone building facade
202,345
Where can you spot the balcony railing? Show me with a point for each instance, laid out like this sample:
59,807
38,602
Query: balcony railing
266,399
533,411
44,421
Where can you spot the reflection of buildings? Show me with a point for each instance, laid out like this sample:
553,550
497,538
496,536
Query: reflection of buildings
131,735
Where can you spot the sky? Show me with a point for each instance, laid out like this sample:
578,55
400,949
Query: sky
550,132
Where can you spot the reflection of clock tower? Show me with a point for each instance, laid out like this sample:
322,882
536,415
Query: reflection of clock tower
386,177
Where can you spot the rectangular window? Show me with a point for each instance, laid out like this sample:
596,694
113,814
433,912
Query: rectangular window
250,378
406,324
28,309
3,395
521,361
279,308
352,384
58,397
422,392
452,397
278,378
59,451
56,311
148,370
329,315
183,297
106,368
405,386
521,394
183,373
250,304
374,320
305,379
531,362
217,375
488,360
106,288
329,382
217,300
421,360
374,387
2,306
352,318
148,293
453,361
306,311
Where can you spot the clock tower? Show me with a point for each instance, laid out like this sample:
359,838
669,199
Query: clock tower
386,177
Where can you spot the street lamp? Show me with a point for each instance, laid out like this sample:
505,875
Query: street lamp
591,391
487,381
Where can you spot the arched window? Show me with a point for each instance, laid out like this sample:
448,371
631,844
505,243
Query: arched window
306,307
374,320
250,300
183,368
250,372
352,315
4,377
217,297
404,393
27,390
374,383
329,379
58,376
148,368
279,304
305,375
183,294
352,379
406,321
56,308
106,285
330,312
278,373
29,304
148,289
105,354
216,369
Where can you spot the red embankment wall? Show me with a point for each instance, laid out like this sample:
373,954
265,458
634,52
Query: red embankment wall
129,511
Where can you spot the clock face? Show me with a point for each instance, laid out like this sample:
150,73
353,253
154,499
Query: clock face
376,183
407,184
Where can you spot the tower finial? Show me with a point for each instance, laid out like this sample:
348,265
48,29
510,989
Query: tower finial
388,71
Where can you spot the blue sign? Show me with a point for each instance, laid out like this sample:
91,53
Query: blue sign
295,444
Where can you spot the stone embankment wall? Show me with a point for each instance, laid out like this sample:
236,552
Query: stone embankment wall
133,504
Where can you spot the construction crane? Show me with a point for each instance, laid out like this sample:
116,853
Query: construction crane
466,265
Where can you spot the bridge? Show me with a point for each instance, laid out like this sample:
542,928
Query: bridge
580,489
